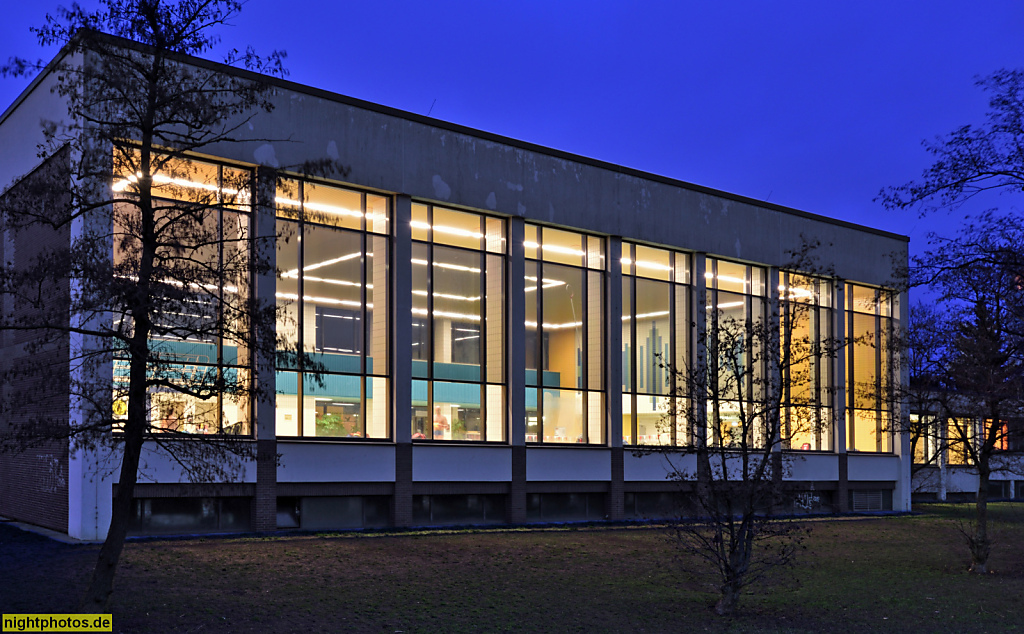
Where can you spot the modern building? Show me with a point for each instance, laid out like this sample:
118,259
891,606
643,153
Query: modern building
490,315
943,468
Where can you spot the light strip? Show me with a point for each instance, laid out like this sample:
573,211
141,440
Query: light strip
327,280
726,278
644,264
438,313
323,300
726,305
314,206
556,248
460,298
443,265
313,267
547,326
547,283
122,184
209,287
455,231
660,313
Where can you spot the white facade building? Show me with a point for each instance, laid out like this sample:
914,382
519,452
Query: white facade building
488,312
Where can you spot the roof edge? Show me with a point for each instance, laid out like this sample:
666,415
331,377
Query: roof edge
446,125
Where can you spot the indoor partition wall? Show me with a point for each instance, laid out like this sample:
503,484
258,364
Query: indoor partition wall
655,345
564,292
458,325
332,289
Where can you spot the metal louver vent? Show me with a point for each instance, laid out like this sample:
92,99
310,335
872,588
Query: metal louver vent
867,501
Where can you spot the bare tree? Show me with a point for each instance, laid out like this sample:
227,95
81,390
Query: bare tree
755,390
977,277
135,260
980,374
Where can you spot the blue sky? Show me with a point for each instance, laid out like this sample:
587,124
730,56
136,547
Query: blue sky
807,104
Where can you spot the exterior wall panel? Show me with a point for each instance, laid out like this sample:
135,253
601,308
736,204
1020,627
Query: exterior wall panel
335,462
878,467
556,464
461,464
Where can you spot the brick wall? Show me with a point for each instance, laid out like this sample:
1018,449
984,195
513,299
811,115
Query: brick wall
34,476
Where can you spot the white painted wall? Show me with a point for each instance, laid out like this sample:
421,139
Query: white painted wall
553,463
657,466
873,467
157,465
335,462
813,467
461,464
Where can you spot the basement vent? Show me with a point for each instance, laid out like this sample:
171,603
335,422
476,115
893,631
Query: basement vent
867,501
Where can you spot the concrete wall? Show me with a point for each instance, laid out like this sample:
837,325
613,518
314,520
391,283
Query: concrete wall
433,160
21,129
461,464
327,462
868,467
565,464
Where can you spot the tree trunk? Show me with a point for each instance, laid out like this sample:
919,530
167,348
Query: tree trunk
979,543
97,597
727,602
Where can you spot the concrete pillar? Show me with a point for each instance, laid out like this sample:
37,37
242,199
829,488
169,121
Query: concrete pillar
839,393
775,376
698,347
901,415
89,476
264,515
613,376
401,359
515,376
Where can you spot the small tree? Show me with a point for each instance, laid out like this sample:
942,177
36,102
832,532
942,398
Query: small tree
977,277
147,285
753,391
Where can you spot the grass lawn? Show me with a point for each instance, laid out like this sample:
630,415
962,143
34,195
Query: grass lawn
901,574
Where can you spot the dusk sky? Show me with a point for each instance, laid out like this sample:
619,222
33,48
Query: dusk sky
803,104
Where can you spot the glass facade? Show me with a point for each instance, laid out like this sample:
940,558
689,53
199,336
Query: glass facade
332,297
334,332
735,308
655,340
565,318
806,348
201,284
458,325
869,367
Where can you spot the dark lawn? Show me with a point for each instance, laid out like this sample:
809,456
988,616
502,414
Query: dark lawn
905,574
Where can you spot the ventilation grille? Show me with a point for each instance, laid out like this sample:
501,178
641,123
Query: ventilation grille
867,501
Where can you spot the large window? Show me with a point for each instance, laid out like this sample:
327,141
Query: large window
564,337
807,346
735,353
332,289
458,324
655,336
199,291
868,376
